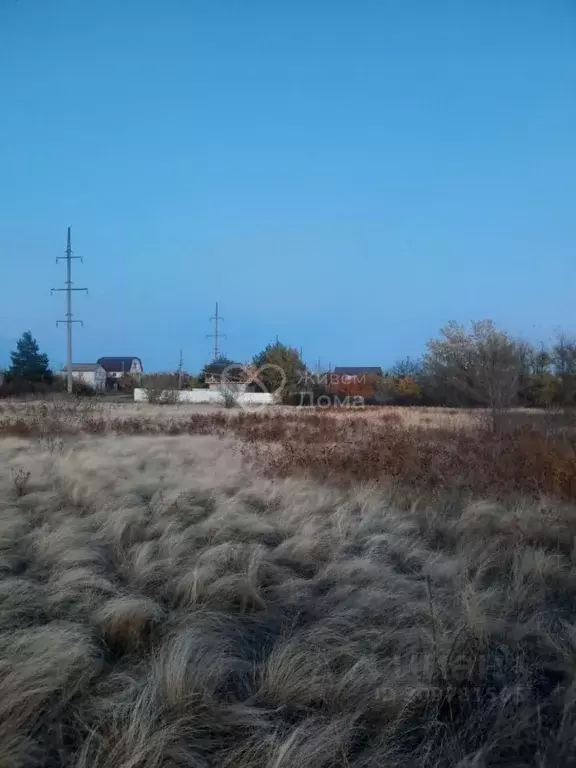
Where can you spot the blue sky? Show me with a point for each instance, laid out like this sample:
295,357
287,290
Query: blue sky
345,175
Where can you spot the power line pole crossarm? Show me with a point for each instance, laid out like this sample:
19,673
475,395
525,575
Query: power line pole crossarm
69,317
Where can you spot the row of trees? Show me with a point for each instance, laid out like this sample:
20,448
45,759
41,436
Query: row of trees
483,365
479,365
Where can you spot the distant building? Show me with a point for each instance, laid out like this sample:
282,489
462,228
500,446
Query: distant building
233,375
355,380
358,370
92,374
116,367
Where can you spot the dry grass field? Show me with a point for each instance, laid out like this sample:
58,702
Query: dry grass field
28,409
212,589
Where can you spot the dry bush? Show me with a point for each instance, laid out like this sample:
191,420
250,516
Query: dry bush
162,606
525,458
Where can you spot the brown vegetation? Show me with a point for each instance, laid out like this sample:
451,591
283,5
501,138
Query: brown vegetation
531,459
160,605
531,454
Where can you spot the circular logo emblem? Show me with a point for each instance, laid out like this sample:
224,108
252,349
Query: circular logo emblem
253,388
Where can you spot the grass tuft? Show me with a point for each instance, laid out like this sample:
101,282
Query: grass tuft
343,591
161,605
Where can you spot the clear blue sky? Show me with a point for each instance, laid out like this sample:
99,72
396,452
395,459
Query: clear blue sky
347,175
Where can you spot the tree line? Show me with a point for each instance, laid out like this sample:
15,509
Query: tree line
479,365
463,366
483,365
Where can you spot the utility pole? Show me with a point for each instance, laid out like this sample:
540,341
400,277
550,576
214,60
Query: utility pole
69,321
216,335
180,371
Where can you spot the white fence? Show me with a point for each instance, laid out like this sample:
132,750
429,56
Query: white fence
211,396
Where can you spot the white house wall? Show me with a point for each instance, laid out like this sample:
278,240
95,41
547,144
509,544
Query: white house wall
94,379
87,377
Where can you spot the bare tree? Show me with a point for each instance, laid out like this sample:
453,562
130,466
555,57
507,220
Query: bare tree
406,369
484,364
564,355
564,362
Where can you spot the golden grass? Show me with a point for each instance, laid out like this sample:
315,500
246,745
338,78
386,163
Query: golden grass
434,418
162,605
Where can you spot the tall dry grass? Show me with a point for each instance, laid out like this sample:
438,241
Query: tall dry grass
530,454
113,414
163,605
